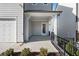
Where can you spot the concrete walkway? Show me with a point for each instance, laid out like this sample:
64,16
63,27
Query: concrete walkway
35,43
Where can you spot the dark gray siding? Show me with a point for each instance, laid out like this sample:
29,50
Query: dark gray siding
37,6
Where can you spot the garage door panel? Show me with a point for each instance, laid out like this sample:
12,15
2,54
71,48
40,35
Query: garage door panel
7,30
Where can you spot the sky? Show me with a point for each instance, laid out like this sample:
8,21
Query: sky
54,6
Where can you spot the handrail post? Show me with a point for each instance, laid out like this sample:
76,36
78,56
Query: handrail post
64,47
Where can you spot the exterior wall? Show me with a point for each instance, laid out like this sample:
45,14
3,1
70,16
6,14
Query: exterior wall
36,28
37,6
14,10
67,20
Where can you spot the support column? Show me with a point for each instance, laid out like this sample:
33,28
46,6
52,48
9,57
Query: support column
52,25
51,28
55,28
27,17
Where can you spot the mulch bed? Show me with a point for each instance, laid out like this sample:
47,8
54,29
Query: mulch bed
37,54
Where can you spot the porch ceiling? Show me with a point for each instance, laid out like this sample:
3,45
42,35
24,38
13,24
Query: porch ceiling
40,18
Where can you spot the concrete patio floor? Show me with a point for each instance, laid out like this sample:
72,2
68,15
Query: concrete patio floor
35,43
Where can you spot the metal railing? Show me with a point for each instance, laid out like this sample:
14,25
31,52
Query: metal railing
68,45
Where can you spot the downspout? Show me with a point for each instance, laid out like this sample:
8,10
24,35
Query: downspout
76,20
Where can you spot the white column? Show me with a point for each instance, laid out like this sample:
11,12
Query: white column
55,28
51,25
27,28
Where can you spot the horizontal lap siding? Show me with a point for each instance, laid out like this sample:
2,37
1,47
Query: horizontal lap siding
14,10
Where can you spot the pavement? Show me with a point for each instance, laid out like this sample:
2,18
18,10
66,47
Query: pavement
34,44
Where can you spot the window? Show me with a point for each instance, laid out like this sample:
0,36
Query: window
44,28
34,3
45,3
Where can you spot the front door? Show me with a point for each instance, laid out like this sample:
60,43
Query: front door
44,28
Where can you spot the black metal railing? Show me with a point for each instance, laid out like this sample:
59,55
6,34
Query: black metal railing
68,45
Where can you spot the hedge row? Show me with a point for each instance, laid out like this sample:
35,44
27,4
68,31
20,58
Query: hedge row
24,52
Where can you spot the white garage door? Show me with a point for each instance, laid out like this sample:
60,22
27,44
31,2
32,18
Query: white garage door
7,30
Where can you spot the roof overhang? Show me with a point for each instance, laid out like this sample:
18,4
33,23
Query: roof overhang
42,12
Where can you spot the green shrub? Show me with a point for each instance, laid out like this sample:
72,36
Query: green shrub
25,52
69,48
8,52
77,52
2,54
43,52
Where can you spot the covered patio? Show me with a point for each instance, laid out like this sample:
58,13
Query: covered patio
40,23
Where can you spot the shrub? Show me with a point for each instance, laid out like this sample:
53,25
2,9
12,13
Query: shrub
2,54
8,52
77,52
11,51
69,48
43,52
25,52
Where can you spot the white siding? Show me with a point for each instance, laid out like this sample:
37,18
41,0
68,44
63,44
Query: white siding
14,10
66,21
